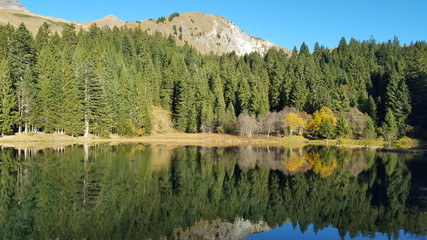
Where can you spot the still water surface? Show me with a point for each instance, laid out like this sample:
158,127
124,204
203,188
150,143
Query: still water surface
166,192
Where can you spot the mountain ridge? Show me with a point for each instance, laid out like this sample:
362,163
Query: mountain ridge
207,33
12,5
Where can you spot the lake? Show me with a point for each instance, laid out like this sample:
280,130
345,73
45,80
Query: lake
134,191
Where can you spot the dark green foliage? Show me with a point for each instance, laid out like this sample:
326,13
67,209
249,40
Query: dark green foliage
161,20
7,100
121,187
389,126
342,128
21,52
114,77
370,130
172,16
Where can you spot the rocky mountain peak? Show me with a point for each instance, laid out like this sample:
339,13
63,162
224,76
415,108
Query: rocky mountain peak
207,33
12,5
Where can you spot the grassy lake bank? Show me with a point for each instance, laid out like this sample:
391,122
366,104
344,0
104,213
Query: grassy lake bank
44,140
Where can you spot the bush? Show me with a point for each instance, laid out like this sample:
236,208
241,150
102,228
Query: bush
161,20
172,16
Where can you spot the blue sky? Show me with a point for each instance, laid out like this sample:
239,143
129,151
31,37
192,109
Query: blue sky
286,23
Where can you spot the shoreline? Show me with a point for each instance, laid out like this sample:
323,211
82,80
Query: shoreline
45,141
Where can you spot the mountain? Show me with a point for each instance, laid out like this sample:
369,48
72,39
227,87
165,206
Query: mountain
109,21
12,5
205,32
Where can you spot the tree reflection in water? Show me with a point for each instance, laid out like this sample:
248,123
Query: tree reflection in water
145,191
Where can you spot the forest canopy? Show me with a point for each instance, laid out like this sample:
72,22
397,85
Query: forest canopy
106,81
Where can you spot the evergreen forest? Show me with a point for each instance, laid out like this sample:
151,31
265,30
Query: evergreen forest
108,81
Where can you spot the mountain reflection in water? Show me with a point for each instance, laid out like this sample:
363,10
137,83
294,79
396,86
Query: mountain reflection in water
165,192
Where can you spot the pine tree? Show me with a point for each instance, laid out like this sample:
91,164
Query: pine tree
94,100
48,90
21,53
342,128
389,126
7,100
28,110
304,49
398,99
42,38
207,117
299,95
21,59
369,132
71,113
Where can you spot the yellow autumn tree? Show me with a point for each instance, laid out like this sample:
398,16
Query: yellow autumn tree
323,123
293,122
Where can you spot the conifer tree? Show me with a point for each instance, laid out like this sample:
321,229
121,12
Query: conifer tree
48,90
21,59
398,99
389,126
94,101
370,129
42,38
71,114
21,53
342,128
7,100
207,117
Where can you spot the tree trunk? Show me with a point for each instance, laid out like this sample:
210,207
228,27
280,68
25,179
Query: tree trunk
86,127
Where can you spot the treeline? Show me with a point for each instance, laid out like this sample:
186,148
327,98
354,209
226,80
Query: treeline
104,81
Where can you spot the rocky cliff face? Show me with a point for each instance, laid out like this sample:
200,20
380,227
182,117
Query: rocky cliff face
12,5
207,33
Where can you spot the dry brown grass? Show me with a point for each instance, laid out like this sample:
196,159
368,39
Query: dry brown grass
43,140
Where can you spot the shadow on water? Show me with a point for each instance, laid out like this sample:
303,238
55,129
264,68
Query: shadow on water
134,191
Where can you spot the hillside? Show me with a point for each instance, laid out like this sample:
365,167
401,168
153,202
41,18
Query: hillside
207,33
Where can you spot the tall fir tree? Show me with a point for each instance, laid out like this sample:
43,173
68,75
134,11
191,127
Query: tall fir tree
398,99
8,115
71,109
389,126
48,95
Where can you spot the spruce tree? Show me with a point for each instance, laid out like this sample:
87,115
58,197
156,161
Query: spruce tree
21,52
42,38
93,97
71,110
48,90
7,100
369,132
342,128
398,99
21,59
389,126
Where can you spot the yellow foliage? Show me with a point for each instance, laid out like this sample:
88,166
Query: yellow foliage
293,163
319,119
139,132
406,142
321,167
220,129
293,122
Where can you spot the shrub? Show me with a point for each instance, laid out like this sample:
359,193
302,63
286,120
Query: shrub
172,16
161,20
